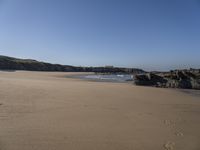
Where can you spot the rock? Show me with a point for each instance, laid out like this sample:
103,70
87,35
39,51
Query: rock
142,79
149,79
195,84
185,79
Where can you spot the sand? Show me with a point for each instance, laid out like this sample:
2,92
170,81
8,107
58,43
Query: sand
45,111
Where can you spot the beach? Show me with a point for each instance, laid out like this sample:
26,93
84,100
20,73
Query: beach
47,111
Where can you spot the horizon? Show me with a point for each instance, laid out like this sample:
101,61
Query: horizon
157,35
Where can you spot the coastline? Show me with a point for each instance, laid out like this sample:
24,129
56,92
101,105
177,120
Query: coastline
93,78
80,76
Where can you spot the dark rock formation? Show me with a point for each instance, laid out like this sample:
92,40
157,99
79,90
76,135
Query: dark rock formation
187,79
10,63
149,79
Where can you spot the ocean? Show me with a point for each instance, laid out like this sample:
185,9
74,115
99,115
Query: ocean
107,77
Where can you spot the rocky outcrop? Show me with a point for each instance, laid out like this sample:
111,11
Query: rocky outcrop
149,79
187,79
10,63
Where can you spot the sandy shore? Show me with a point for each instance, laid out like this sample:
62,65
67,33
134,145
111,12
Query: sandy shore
45,111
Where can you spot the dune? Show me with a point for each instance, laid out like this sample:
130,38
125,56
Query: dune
47,111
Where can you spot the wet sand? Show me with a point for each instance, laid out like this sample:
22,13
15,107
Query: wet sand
46,111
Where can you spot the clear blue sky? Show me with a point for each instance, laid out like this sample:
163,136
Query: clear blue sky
149,34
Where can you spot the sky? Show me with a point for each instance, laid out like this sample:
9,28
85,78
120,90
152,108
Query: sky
147,34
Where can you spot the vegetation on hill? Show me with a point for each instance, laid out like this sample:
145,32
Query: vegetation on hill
10,63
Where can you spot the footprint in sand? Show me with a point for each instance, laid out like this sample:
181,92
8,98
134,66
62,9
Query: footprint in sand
178,133
169,145
168,122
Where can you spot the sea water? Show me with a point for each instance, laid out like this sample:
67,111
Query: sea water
109,77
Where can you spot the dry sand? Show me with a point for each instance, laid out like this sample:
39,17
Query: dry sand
45,111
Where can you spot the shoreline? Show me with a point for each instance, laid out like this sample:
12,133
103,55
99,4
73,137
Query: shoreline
193,92
83,77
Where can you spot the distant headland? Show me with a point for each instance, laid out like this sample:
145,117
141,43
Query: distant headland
11,63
